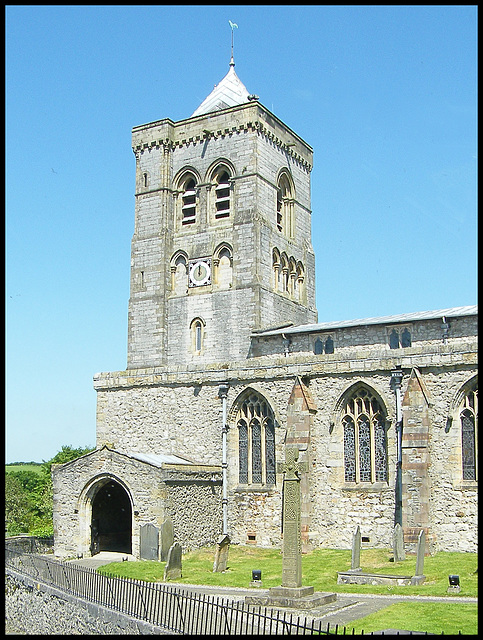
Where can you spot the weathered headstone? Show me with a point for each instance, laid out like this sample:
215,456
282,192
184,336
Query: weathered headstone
149,542
419,577
356,550
420,554
172,569
398,544
166,538
221,554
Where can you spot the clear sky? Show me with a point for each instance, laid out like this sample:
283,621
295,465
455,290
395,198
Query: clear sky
386,96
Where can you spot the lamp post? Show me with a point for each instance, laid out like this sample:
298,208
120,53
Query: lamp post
223,394
396,380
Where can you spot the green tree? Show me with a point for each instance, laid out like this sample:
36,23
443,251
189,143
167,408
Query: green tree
30,500
17,506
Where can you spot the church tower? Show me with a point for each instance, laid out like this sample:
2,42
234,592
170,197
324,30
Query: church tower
222,238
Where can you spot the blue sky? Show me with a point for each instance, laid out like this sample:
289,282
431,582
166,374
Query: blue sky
386,96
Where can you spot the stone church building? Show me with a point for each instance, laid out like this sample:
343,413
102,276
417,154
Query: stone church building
227,364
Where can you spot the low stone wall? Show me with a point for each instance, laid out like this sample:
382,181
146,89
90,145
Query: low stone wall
34,608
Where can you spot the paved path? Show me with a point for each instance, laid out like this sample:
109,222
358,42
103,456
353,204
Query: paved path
346,609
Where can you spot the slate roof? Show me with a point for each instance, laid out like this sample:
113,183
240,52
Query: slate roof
230,92
403,317
160,458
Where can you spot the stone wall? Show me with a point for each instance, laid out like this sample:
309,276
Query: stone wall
177,410
190,495
33,608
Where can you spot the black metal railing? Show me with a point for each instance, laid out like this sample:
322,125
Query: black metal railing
170,608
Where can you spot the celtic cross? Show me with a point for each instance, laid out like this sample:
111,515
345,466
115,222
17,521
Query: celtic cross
292,544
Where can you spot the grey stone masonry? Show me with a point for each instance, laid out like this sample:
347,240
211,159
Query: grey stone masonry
254,147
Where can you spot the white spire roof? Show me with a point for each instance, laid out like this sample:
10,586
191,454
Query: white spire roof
230,92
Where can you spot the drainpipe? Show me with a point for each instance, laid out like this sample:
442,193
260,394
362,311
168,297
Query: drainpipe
396,380
223,394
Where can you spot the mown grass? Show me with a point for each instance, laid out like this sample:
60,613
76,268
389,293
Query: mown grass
449,618
319,569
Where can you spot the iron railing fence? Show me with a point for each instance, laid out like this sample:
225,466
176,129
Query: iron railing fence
171,608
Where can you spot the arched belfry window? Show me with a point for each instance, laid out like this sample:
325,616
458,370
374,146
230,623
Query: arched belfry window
469,432
256,441
365,446
285,204
188,199
222,193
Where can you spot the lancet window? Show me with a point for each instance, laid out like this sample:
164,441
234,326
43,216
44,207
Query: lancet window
365,446
256,441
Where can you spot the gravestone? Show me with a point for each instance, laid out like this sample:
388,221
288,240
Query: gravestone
356,550
172,569
398,544
420,554
167,538
291,593
149,542
221,554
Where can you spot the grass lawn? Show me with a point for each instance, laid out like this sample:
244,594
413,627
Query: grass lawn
319,569
433,617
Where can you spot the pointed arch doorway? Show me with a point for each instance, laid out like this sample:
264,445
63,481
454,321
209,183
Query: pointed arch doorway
111,523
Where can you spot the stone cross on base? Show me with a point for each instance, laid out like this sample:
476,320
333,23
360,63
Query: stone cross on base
292,543
291,593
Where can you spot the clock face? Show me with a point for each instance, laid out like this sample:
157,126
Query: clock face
200,272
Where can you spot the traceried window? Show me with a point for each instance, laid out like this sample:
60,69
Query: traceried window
188,199
469,432
256,441
365,447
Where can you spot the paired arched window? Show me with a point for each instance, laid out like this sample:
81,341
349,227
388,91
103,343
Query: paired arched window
256,441
365,446
468,416
399,339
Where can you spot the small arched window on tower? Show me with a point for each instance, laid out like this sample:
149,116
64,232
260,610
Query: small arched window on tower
223,266
285,204
179,274
197,336
188,200
469,432
222,194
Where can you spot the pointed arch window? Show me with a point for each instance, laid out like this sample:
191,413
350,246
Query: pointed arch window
365,445
469,432
256,441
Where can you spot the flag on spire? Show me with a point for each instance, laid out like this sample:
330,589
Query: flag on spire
232,25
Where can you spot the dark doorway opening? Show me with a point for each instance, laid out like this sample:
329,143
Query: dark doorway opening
111,520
